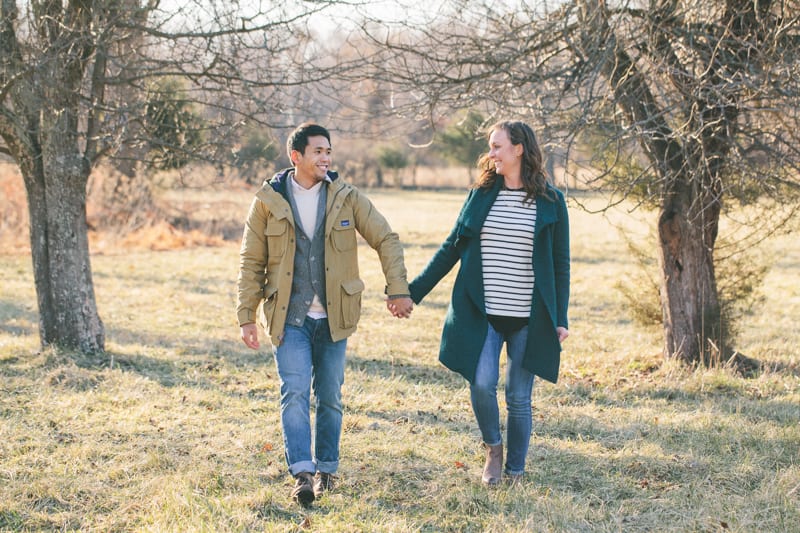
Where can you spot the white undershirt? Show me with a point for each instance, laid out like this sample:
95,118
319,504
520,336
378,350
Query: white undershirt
307,202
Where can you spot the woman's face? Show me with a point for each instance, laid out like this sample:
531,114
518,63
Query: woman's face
507,157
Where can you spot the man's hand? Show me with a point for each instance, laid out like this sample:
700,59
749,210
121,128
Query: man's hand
400,307
250,335
563,333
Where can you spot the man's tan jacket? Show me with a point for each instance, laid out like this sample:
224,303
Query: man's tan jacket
266,258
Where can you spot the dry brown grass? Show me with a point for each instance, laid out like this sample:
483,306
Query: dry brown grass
14,236
177,427
151,223
171,210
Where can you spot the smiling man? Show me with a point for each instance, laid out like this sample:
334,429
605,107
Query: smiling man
299,278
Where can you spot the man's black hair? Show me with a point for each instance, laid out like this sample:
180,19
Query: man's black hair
298,139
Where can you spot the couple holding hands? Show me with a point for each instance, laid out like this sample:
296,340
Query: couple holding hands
298,278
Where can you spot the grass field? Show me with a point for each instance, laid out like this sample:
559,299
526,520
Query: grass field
176,428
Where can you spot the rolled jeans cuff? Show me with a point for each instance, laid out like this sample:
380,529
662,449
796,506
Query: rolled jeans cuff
329,467
303,466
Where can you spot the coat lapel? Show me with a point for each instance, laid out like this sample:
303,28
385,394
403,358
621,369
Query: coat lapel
474,213
470,222
545,215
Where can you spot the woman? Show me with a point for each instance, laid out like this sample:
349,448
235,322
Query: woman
512,238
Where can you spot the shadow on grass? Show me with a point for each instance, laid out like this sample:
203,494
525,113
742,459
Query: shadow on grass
780,367
232,350
413,373
13,311
731,402
719,398
416,418
683,456
274,512
719,438
607,479
170,360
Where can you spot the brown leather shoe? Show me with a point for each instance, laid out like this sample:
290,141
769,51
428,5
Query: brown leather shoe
493,469
303,491
323,482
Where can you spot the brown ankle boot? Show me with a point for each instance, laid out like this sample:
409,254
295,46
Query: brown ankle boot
493,469
303,491
323,482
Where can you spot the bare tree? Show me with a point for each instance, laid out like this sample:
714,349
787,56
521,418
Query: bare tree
72,79
691,108
463,142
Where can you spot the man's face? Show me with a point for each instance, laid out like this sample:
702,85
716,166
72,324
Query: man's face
312,165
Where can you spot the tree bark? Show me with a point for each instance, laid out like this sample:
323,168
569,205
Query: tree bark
37,211
56,190
694,328
55,172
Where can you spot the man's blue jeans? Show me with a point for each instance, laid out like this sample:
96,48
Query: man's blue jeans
519,384
308,358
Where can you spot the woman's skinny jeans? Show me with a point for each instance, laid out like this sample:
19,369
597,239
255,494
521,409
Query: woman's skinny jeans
519,385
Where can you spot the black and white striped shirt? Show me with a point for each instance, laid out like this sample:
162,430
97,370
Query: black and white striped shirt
507,254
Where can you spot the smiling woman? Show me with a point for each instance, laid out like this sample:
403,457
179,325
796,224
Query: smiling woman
512,230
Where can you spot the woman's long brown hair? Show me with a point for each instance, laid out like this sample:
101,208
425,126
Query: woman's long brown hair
534,180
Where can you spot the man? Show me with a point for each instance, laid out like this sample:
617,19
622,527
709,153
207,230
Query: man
298,275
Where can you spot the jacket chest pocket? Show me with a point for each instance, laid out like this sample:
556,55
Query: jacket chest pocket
344,238
277,235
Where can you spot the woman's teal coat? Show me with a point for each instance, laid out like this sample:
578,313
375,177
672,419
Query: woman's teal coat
466,324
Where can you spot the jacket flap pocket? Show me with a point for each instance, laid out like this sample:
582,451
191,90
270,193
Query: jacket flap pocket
353,286
275,227
269,291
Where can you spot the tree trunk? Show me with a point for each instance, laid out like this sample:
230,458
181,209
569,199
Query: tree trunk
37,211
693,327
56,190
50,128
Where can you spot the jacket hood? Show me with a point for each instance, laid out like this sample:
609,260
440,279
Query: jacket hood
278,181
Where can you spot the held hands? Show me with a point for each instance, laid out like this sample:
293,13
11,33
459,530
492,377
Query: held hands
400,307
